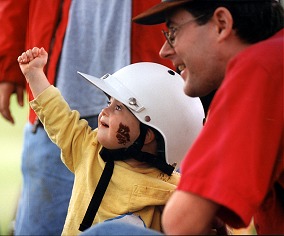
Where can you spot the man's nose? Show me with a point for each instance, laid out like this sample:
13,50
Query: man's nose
166,50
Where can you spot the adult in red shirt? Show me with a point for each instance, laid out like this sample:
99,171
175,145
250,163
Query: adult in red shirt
235,169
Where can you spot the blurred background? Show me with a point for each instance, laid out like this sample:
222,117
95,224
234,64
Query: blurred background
11,138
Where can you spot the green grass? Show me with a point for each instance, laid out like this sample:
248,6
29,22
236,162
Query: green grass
11,139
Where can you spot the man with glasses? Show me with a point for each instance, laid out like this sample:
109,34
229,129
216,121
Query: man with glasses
234,171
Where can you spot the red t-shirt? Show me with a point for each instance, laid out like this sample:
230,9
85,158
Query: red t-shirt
237,161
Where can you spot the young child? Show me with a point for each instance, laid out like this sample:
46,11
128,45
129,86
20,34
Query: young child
124,169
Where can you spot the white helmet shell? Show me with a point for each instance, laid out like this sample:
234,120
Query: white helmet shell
154,94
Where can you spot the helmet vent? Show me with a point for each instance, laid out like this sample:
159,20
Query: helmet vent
105,76
147,118
171,72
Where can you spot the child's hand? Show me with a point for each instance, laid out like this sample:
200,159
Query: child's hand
32,60
31,63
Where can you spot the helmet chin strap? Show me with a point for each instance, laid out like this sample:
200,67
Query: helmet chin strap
134,152
109,156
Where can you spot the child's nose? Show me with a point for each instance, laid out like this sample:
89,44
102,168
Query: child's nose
105,111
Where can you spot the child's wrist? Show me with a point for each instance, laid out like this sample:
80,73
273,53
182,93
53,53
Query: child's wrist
35,76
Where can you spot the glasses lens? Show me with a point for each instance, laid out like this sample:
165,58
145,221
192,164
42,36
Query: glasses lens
168,37
171,36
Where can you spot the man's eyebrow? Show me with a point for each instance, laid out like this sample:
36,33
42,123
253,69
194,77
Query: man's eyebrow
168,23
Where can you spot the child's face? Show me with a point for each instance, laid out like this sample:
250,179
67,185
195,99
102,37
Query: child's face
117,126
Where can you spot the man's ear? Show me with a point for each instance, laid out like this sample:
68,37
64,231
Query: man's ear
150,136
223,20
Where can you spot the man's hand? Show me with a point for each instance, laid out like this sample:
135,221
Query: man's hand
6,90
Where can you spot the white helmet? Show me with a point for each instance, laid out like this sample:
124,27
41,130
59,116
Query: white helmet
154,94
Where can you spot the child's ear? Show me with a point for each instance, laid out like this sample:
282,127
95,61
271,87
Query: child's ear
150,136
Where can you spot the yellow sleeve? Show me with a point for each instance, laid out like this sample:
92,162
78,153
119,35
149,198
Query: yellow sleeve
63,125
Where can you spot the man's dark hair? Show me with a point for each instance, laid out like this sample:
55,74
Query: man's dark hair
254,20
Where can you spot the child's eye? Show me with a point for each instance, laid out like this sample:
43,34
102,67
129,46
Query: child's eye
118,107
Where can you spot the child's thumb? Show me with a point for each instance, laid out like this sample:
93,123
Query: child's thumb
42,51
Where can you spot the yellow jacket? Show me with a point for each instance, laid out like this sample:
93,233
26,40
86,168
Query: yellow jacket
134,195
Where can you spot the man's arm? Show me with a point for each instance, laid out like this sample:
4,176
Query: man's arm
186,213
13,18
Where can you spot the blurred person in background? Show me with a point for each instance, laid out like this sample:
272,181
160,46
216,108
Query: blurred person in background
93,36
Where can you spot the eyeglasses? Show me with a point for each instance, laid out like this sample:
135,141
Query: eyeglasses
171,34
